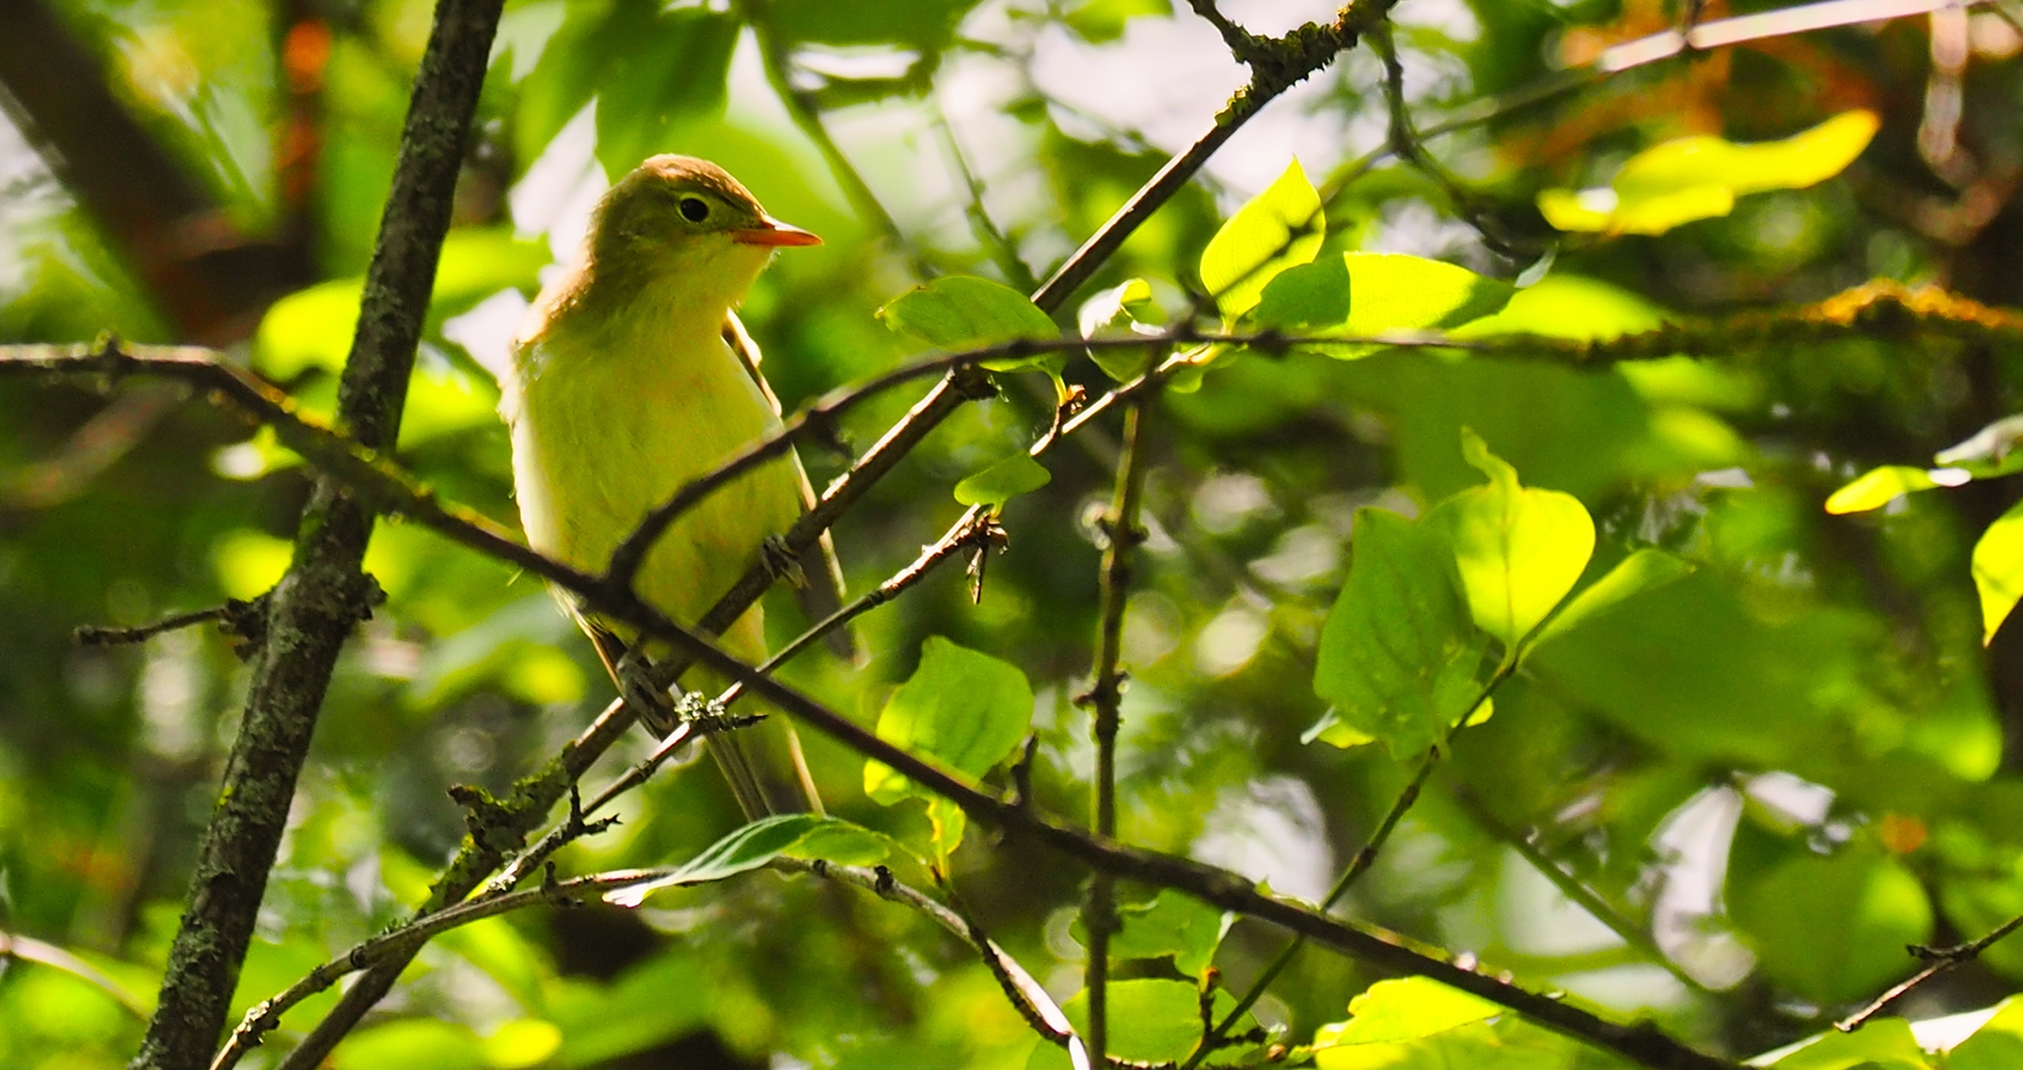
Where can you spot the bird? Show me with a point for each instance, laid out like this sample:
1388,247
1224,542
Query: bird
631,376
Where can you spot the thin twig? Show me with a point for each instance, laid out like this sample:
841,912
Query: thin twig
1105,696
976,534
1937,960
1664,45
28,949
400,945
1283,64
101,635
1358,865
1002,251
1406,144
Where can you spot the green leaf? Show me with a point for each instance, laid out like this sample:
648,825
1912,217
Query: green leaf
1998,570
846,842
1878,487
963,710
1130,306
1519,549
1396,293
1007,479
661,70
650,68
1102,21
1397,655
1700,177
1570,306
1882,1044
1170,924
1997,1044
1309,295
1833,928
947,823
965,312
1642,571
1278,229
744,850
1405,1008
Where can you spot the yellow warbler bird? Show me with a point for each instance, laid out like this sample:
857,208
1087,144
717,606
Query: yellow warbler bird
631,377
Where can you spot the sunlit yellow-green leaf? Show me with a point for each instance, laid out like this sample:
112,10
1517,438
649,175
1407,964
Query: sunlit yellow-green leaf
1520,549
1995,1043
1392,293
411,1044
1998,569
1642,571
1700,177
1570,306
1279,228
1404,1008
1878,487
1101,21
1124,307
522,1042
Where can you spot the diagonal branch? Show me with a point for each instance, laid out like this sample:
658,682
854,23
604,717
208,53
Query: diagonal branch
1212,885
1276,66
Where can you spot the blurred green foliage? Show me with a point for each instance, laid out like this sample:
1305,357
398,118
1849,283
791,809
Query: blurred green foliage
1774,771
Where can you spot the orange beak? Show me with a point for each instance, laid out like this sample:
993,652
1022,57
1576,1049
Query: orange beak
771,231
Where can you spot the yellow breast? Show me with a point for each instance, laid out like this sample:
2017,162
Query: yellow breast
609,423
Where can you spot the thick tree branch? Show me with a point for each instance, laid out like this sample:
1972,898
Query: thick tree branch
324,594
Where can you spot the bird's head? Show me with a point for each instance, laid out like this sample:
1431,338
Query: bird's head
680,218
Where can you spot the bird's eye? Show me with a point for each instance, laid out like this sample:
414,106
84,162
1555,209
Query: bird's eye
693,209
